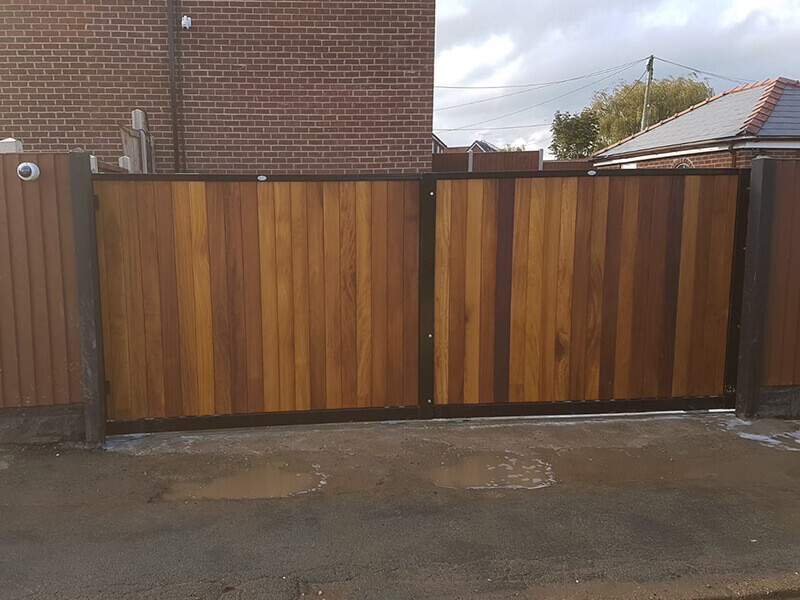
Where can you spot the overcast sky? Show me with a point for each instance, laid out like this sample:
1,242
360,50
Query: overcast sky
509,42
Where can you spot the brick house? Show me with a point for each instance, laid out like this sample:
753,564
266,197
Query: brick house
727,130
308,86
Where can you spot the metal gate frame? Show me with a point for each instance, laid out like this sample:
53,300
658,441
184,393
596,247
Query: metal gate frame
426,409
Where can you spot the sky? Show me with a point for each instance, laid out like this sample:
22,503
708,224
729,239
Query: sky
520,42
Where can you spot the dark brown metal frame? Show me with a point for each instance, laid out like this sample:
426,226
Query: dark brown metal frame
426,408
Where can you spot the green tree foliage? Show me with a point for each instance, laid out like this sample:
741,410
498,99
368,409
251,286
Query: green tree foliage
620,109
616,114
574,136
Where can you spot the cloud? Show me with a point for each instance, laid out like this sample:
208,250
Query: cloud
509,42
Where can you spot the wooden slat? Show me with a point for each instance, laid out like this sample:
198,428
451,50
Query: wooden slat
99,189
285,294
611,287
168,288
252,297
21,286
333,296
566,256
302,372
594,300
271,349
488,267
220,297
231,200
380,293
316,294
624,343
441,327
503,282
9,361
458,252
411,293
51,238
394,271
519,288
546,211
364,291
580,288
347,271
151,299
472,291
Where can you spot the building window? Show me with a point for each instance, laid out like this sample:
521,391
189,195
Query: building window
684,164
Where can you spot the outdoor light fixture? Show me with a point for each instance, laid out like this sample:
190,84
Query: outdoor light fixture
28,171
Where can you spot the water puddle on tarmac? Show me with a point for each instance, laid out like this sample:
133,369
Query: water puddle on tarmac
494,471
268,481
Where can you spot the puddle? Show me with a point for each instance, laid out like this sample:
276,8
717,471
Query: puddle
269,481
495,471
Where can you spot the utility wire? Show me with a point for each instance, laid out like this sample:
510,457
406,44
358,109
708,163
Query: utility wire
472,125
717,75
540,84
496,128
536,87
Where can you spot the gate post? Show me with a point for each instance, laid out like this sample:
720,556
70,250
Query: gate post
88,276
756,283
427,286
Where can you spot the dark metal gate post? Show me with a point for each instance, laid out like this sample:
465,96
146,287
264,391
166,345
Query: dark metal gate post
88,276
756,282
427,288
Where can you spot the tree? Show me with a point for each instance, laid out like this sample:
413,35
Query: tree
620,110
574,136
616,114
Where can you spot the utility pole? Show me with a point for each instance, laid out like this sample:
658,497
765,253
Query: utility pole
646,107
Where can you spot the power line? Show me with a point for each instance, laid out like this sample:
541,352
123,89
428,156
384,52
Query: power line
717,75
535,86
538,85
472,125
496,128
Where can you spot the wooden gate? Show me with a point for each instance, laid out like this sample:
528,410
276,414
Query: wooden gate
228,297
441,295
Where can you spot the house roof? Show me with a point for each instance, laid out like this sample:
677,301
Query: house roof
477,145
769,108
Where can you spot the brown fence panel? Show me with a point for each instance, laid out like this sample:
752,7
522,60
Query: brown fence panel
226,297
582,288
39,338
781,355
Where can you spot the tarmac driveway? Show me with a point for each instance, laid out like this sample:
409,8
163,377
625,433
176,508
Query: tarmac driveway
702,506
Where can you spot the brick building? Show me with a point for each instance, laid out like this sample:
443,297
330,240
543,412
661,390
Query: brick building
302,86
727,130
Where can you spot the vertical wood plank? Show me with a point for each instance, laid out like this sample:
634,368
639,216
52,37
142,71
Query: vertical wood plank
168,288
458,252
472,293
394,268
566,257
9,362
441,328
594,299
333,296
380,293
252,296
611,287
624,342
151,295
347,270
232,208
51,238
580,287
316,293
503,283
364,291
270,317
302,373
488,280
686,282
411,293
550,216
220,298
519,288
285,294
204,331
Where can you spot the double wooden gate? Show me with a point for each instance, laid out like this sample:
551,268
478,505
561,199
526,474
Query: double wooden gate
237,301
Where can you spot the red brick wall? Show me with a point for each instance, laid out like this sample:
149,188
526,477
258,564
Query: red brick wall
713,160
268,85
